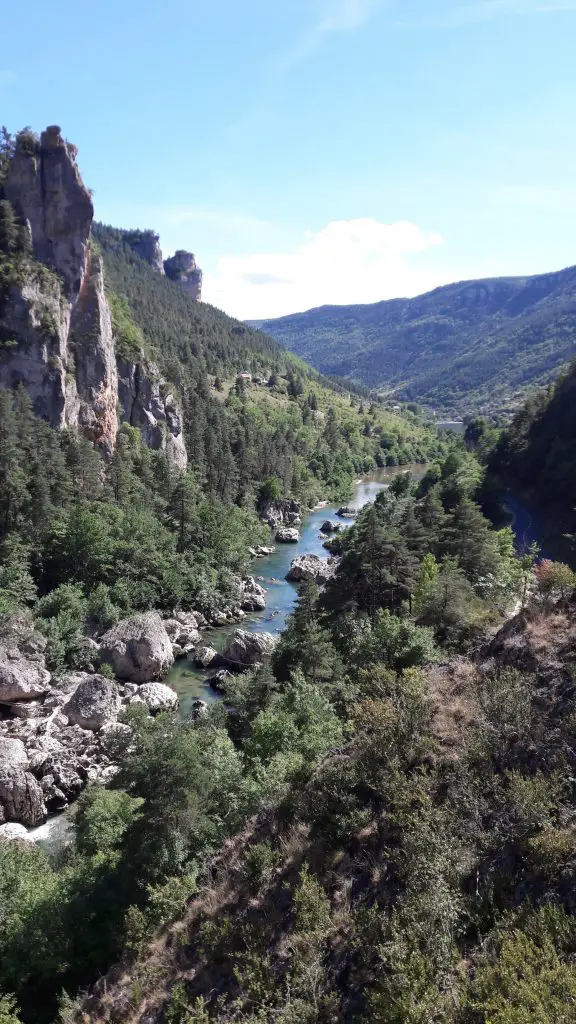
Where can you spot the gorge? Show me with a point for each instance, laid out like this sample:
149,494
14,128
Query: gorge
284,802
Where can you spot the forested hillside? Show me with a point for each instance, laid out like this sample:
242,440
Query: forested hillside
473,346
536,455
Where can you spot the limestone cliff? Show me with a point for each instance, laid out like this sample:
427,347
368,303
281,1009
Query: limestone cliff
55,320
146,245
182,268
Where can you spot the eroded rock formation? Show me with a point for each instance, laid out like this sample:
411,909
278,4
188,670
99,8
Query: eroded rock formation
182,268
57,318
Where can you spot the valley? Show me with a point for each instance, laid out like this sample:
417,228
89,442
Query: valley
475,346
286,708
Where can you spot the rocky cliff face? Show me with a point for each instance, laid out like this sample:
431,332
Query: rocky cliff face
57,319
146,245
182,268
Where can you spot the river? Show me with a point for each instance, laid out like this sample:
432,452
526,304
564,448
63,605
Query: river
191,683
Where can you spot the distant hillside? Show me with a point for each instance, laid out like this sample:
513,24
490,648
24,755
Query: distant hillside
476,345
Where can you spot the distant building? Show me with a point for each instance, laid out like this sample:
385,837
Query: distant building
245,376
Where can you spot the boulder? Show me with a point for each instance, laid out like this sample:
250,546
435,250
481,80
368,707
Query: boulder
310,567
21,797
219,679
12,753
253,595
204,656
95,702
329,527
182,634
247,649
11,832
198,708
20,677
158,697
288,535
347,512
138,649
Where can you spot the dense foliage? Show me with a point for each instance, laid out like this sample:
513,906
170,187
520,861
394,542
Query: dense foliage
354,892
478,345
537,452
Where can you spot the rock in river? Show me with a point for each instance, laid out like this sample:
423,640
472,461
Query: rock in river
329,527
247,649
138,649
310,567
204,656
347,512
288,535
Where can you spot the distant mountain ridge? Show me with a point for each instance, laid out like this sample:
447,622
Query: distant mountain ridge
471,346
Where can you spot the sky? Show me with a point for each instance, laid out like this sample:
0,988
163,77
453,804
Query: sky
314,151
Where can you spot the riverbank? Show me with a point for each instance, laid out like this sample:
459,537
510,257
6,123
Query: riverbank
190,682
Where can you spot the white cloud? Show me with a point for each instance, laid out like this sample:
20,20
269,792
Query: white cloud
347,261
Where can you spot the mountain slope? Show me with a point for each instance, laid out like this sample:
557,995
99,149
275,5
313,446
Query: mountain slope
536,455
475,345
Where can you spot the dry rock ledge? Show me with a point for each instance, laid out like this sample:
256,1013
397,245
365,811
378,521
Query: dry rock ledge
59,732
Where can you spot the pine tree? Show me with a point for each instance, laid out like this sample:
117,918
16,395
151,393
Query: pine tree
9,228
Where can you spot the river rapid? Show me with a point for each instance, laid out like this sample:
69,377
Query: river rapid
191,683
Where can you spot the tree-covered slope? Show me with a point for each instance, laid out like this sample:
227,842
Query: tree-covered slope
310,434
537,453
476,345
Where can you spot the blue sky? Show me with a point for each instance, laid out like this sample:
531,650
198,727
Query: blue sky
313,151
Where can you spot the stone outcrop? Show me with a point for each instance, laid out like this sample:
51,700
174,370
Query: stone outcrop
138,649
253,598
21,797
182,268
347,512
94,703
146,245
59,317
68,735
287,535
310,567
247,649
47,192
12,753
147,402
21,678
281,512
